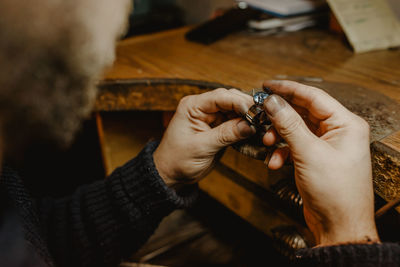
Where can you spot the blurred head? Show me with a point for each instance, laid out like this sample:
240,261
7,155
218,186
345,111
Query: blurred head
52,53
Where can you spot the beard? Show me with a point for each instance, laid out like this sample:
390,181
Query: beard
49,102
49,69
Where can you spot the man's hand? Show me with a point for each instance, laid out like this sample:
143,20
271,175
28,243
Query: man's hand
202,126
329,146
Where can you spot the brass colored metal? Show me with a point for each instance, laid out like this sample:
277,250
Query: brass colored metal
287,240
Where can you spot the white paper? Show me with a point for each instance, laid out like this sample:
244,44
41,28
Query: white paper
286,7
368,24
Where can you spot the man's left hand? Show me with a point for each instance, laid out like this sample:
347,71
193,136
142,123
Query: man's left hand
202,126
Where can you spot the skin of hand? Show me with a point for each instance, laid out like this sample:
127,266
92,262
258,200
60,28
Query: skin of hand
330,149
202,126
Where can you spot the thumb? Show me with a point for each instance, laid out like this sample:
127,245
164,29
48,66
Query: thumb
288,123
230,132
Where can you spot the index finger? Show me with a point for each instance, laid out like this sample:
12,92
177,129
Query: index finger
319,103
224,100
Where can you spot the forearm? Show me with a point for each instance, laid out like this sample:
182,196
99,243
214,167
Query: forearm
108,220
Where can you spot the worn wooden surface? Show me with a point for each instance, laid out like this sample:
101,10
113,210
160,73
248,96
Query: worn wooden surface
148,94
153,72
206,234
122,140
245,60
242,184
122,136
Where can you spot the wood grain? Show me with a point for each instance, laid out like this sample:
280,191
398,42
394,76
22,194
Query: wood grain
148,94
389,157
123,135
254,209
392,140
245,60
166,66
252,169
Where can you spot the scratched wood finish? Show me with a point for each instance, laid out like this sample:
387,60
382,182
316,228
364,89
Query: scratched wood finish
243,61
386,167
148,94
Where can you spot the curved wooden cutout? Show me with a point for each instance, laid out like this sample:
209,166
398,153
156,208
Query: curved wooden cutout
148,94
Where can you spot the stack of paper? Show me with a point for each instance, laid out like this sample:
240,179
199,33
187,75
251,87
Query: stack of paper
286,7
368,24
289,24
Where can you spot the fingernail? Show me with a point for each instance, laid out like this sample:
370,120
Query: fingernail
268,159
266,85
267,90
272,82
245,130
273,104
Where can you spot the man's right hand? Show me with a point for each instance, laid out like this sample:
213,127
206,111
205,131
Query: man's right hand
330,148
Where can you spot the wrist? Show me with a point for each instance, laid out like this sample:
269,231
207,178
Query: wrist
164,170
348,235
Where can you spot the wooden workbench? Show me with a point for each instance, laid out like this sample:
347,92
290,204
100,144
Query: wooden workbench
153,72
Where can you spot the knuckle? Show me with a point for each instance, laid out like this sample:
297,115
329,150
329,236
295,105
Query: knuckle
240,93
360,128
320,93
289,126
184,102
363,125
282,82
185,99
220,92
293,84
317,90
224,138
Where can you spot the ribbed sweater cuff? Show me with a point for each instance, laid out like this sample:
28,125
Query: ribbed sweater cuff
143,184
383,254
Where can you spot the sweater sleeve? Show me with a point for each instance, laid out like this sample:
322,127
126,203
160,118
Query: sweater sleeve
376,255
104,222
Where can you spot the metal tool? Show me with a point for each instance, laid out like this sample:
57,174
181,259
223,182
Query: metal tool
287,240
287,195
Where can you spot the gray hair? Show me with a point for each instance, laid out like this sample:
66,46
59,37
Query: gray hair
50,60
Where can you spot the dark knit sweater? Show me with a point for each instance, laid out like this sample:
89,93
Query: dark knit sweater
102,223
362,255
